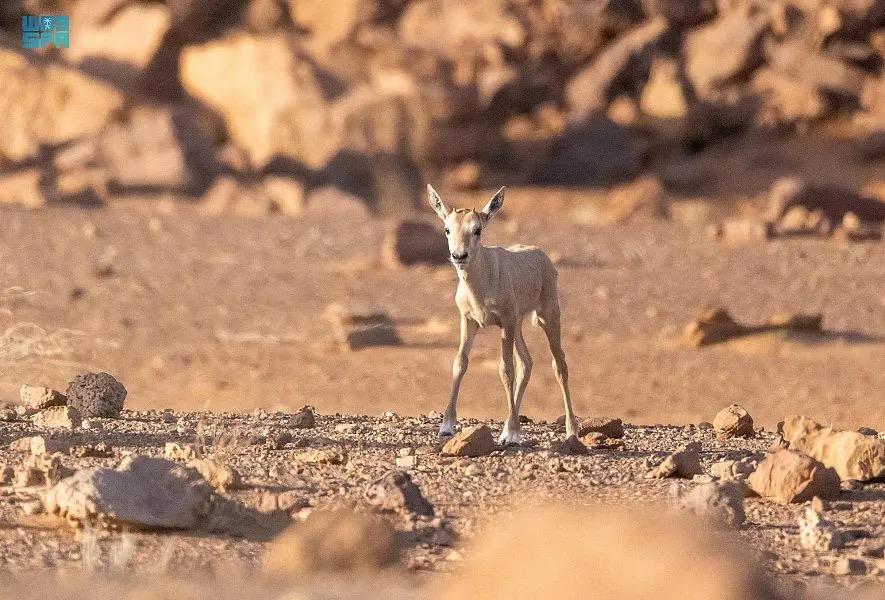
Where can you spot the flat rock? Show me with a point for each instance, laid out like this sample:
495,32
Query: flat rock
571,446
817,533
471,442
60,417
787,476
608,426
144,492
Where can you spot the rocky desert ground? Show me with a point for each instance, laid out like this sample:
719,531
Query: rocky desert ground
227,320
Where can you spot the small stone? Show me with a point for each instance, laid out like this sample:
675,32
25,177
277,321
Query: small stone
37,445
99,450
220,476
303,419
868,431
395,491
705,425
733,421
34,507
850,485
817,533
38,397
599,441
609,427
406,462
176,451
289,502
685,463
327,456
471,442
58,417
734,470
472,470
168,417
571,446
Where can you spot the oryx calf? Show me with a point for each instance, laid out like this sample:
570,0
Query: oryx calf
500,286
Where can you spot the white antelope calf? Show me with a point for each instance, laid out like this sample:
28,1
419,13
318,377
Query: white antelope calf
500,286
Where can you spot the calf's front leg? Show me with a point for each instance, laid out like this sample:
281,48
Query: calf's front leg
469,327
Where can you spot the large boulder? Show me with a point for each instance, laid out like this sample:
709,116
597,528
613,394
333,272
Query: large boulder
853,455
271,100
143,492
725,50
157,148
449,27
787,476
36,397
109,50
96,395
591,89
48,104
733,421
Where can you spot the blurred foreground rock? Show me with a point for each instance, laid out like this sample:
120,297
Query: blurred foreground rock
356,331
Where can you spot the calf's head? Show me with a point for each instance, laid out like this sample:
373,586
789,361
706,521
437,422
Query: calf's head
463,227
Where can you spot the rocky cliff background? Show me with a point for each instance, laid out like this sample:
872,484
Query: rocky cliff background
256,106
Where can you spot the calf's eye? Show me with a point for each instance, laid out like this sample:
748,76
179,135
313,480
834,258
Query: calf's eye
447,231
476,232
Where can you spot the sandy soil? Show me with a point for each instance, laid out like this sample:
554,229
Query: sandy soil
225,314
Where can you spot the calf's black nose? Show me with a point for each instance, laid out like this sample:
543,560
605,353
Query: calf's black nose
457,256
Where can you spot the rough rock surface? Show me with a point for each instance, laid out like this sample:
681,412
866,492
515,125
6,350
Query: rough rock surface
685,463
788,476
66,417
471,442
817,533
853,455
733,421
141,491
395,491
96,395
35,397
608,426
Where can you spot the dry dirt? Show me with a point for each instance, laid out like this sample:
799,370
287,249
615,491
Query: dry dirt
225,314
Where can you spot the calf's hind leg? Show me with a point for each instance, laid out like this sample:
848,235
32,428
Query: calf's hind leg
549,322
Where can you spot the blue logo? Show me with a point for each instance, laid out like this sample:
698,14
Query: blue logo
46,31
